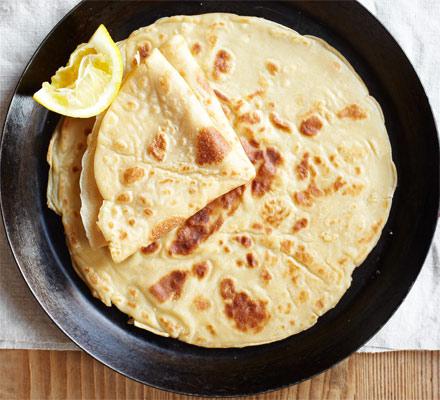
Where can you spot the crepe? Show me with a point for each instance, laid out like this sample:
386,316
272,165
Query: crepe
265,260
160,158
91,199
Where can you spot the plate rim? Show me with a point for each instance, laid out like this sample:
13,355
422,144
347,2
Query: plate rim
17,262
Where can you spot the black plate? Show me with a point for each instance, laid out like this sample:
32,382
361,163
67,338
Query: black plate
379,286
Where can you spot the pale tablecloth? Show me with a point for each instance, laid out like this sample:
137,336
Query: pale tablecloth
414,23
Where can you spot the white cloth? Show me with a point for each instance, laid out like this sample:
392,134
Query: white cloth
414,23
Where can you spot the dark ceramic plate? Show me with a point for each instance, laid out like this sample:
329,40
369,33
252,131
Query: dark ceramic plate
379,285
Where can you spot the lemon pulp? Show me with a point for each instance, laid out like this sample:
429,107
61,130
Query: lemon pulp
89,82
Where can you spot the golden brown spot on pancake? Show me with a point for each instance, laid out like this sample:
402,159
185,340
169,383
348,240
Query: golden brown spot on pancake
164,83
239,263
211,329
145,50
151,248
310,126
248,314
357,170
278,122
338,183
375,229
167,180
299,224
131,304
222,63
305,197
288,308
226,249
302,256
265,275
295,280
252,149
286,246
124,198
342,261
123,235
212,40
221,96
250,118
275,211
158,147
257,226
169,286
205,222
353,112
148,212
131,222
165,226
145,316
168,325
303,296
268,161
196,48
302,169
200,270
317,160
120,145
272,67
354,189
132,175
211,146
201,303
353,153
111,225
257,93
238,105
319,304
245,241
131,105
251,260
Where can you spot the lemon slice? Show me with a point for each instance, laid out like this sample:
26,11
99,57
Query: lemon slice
89,82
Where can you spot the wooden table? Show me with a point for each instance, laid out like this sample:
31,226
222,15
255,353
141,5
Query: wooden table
36,374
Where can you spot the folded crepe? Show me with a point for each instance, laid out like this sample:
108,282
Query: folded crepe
91,199
160,158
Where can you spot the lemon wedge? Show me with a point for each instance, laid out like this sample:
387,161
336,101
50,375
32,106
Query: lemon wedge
89,82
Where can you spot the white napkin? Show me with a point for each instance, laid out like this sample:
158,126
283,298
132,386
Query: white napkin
415,25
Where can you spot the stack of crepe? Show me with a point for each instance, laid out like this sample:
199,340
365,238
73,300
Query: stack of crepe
229,191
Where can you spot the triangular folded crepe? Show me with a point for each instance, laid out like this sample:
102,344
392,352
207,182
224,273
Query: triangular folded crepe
179,55
160,158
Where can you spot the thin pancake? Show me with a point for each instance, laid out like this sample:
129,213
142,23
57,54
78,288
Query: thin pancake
160,158
266,260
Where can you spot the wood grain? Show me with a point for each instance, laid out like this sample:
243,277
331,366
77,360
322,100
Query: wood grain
32,374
